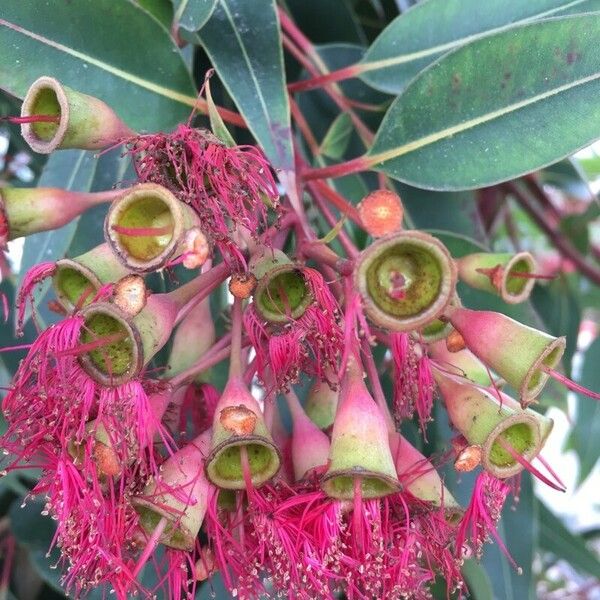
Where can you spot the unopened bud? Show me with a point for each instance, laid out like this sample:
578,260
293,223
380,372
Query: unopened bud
238,419
241,285
196,248
468,459
381,212
455,342
130,294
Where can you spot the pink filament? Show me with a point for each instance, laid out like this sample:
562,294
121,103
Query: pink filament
570,384
142,231
32,119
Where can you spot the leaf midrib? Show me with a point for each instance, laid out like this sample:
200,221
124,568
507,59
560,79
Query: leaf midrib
365,67
472,123
116,71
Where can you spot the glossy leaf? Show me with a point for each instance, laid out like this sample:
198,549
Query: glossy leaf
335,142
519,530
414,40
191,15
87,45
161,10
243,42
478,582
557,539
585,436
493,110
217,125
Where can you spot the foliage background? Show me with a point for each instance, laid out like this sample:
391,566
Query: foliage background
124,52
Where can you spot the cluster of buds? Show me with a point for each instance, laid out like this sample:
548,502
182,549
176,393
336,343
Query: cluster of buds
146,465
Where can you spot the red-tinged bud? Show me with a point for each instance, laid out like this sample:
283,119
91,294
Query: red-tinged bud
505,275
31,210
310,446
321,404
242,285
490,420
238,422
146,227
519,354
83,121
406,280
419,477
193,337
463,363
76,281
381,212
360,450
180,494
136,339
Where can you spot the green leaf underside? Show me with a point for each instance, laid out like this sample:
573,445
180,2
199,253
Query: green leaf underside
243,42
192,15
557,539
494,109
420,36
585,436
87,45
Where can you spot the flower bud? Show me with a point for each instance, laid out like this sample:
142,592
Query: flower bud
180,494
381,212
359,445
238,422
463,363
516,352
32,210
406,280
484,419
77,280
83,121
499,274
419,477
321,404
146,227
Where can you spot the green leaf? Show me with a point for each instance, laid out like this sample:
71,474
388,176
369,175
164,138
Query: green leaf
415,39
337,138
557,539
192,15
495,109
585,436
161,10
89,46
478,582
453,211
519,530
216,122
243,42
558,307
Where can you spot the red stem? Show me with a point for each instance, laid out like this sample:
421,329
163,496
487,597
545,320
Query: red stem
322,80
356,165
562,244
337,200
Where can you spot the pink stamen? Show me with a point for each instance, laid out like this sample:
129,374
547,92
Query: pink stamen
523,275
527,465
99,343
32,119
570,384
84,296
142,231
150,546
246,472
550,470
